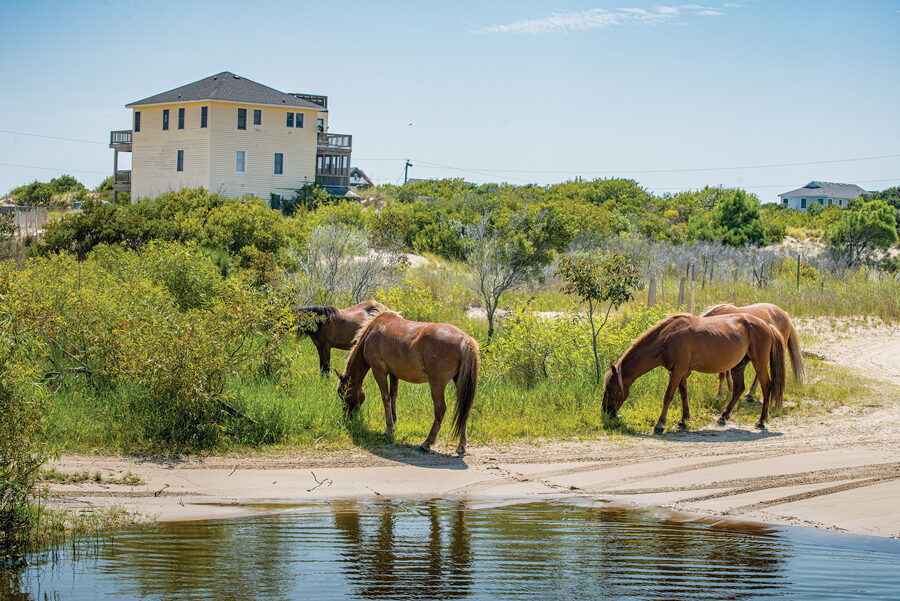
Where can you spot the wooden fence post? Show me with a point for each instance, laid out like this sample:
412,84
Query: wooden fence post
651,292
798,270
693,279
681,293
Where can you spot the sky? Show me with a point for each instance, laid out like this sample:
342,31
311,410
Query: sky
765,95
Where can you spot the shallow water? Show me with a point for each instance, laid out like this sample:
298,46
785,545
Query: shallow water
455,549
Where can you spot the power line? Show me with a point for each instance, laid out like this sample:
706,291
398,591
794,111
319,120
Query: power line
54,169
22,133
647,171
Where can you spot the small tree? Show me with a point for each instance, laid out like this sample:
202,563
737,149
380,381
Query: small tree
862,229
613,280
737,217
510,252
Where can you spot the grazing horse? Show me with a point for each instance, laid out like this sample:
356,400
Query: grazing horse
336,328
685,343
413,351
776,316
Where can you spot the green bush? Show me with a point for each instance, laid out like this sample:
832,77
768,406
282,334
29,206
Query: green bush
530,348
188,215
22,415
161,323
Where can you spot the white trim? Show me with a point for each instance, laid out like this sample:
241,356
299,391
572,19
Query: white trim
233,102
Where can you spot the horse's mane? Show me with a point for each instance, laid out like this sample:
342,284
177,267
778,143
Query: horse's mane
364,329
652,332
706,311
324,312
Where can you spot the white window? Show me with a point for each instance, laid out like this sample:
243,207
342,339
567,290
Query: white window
240,162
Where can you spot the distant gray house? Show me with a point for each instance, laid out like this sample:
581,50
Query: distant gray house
358,179
823,193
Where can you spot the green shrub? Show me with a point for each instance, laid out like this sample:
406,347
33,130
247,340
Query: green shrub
22,416
416,300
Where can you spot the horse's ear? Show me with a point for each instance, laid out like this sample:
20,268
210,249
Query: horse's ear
612,366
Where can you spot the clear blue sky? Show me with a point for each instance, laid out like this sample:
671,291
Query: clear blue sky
543,91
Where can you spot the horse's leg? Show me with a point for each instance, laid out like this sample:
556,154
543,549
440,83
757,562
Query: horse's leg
392,389
674,379
685,408
765,384
753,388
440,407
324,357
381,377
737,377
721,385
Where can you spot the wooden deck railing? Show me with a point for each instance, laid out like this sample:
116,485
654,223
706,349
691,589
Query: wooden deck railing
120,137
335,141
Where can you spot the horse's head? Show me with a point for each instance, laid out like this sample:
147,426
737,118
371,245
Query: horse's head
614,391
352,396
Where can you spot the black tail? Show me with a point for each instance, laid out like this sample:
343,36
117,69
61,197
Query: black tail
466,385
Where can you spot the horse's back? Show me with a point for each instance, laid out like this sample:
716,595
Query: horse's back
415,350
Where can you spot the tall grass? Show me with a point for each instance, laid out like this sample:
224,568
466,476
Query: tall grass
301,410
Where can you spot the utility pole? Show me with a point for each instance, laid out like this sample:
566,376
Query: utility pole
406,171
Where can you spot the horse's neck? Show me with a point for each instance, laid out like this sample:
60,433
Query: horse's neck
358,367
639,361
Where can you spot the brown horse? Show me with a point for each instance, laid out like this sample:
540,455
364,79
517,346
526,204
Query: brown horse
776,316
336,328
685,343
413,351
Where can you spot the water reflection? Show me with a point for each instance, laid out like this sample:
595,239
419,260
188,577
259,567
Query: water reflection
449,550
391,554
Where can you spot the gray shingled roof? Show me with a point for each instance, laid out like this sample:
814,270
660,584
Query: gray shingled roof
226,87
826,190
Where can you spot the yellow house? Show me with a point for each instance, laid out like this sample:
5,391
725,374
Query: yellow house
232,136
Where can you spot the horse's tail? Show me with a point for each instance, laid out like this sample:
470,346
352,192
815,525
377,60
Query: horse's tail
793,345
776,368
466,384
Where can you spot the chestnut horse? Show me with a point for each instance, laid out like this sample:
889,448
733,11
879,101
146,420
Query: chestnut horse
685,343
336,328
413,351
778,317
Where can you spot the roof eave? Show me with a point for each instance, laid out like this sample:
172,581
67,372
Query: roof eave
140,104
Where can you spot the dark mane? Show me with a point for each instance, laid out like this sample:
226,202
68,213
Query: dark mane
322,312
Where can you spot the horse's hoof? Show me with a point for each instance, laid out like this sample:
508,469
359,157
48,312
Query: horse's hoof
760,426
460,451
682,426
722,421
658,429
424,448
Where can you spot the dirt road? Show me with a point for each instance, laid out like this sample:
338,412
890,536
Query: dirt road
839,471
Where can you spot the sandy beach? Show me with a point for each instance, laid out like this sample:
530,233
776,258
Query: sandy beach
839,471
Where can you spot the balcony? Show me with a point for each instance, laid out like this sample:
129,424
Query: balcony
120,140
336,143
314,98
122,181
